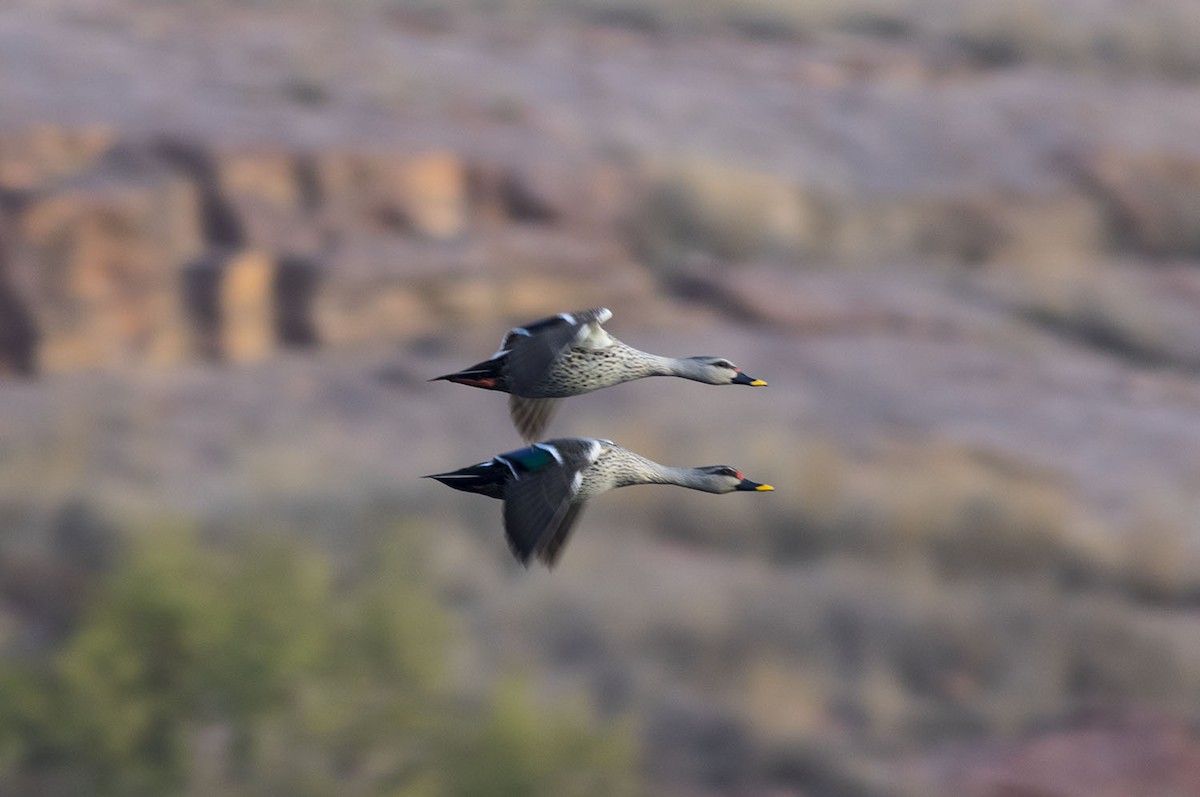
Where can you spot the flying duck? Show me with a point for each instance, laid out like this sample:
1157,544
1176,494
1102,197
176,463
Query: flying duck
569,354
545,486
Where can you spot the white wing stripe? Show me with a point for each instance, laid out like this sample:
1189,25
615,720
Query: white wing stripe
552,450
510,467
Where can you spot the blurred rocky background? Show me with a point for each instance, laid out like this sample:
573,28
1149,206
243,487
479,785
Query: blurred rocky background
960,239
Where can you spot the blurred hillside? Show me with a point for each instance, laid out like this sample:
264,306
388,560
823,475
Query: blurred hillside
961,240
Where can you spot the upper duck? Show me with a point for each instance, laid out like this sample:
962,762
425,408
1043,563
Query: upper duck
544,487
569,354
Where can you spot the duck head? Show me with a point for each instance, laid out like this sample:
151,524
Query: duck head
717,371
726,479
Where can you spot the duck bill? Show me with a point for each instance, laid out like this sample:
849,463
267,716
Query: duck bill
748,486
743,379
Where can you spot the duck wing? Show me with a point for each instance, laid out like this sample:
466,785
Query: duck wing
540,505
532,349
531,415
554,544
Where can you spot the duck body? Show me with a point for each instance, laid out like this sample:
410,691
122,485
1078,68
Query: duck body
578,370
545,486
571,354
574,372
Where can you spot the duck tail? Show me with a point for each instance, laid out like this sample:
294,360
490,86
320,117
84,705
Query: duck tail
488,375
487,478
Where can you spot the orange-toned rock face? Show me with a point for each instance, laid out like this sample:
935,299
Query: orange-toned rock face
158,252
34,157
434,191
393,192
102,268
267,193
246,297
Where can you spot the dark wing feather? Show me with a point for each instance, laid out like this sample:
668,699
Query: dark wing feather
538,507
554,545
534,508
534,347
531,416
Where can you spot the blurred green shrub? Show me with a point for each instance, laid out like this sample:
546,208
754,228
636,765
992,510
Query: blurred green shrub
518,751
255,672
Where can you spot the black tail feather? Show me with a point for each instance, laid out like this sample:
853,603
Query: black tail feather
488,375
487,478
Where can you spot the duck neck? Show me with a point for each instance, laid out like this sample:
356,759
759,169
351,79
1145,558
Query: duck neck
657,365
646,471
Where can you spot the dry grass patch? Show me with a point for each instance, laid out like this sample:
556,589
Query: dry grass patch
705,209
702,207
1161,555
1148,315
968,513
1156,38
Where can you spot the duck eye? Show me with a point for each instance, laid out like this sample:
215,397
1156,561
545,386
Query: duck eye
724,364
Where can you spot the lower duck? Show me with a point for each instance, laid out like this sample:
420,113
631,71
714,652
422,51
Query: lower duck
545,486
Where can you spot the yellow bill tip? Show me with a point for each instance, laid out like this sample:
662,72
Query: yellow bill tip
764,488
758,383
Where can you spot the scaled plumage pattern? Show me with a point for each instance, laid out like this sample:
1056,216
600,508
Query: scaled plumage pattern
545,486
569,354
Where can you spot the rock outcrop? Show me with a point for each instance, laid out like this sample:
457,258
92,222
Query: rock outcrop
132,253
99,261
